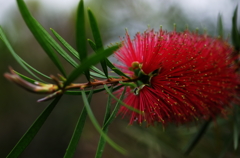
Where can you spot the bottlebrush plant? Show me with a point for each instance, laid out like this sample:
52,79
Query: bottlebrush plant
161,78
181,76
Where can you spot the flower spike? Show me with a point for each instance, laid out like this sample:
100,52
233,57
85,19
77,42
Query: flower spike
182,77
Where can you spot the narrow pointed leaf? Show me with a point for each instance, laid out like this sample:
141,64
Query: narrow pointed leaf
97,39
109,117
116,70
75,53
97,70
102,141
108,107
40,34
93,59
92,45
14,54
109,64
220,27
81,36
96,125
65,44
33,130
78,131
115,110
87,92
121,102
94,74
19,59
98,75
235,33
94,91
35,70
197,137
236,124
26,78
55,45
235,136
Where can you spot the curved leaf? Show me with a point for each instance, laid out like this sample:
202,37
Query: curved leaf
33,130
94,91
75,53
197,137
109,117
235,33
24,64
40,34
102,141
220,27
115,110
96,125
121,102
81,36
109,64
98,39
93,59
78,131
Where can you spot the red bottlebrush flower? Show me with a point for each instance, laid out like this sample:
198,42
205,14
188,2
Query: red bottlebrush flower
181,76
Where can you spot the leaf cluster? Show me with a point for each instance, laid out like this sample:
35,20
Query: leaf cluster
82,64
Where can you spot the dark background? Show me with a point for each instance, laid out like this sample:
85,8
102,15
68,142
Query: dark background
18,108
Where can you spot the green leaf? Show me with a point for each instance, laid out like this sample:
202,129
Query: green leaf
108,107
56,46
97,70
98,75
235,136
109,64
40,34
236,124
115,110
96,125
107,120
14,54
116,70
92,45
81,36
32,68
235,33
74,52
121,102
65,44
93,59
78,131
98,39
33,130
102,141
220,26
26,78
87,92
197,137
94,91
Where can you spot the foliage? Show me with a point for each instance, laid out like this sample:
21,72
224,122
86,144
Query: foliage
63,84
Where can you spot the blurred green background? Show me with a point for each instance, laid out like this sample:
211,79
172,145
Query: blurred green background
18,108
